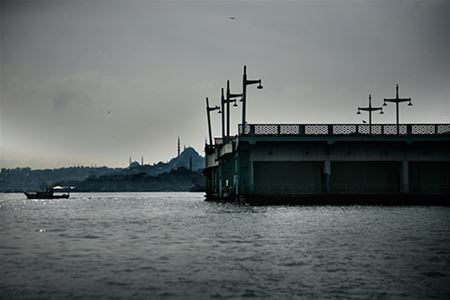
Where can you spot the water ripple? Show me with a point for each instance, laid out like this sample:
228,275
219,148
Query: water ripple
177,246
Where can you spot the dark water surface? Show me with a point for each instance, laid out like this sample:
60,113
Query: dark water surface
176,246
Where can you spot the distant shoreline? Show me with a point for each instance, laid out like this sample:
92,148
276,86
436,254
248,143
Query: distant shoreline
100,192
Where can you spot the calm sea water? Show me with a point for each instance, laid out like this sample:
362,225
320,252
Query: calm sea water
176,246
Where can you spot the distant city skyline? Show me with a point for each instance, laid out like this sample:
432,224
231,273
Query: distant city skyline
95,82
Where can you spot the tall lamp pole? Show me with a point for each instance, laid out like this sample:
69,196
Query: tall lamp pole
246,82
370,109
208,110
222,105
230,98
397,101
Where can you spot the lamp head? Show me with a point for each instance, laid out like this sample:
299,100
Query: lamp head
259,87
235,104
381,112
409,104
358,113
384,104
220,111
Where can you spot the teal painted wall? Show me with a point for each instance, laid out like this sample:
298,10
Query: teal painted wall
244,172
429,177
227,170
287,178
356,166
369,177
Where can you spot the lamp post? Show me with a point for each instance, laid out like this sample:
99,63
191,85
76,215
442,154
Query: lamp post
230,98
222,105
246,82
370,109
397,101
208,110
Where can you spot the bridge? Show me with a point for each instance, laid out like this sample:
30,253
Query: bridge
355,162
327,163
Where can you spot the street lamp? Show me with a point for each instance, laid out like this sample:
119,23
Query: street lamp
222,105
370,109
397,101
208,110
230,98
246,82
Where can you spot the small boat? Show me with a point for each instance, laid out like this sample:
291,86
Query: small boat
47,194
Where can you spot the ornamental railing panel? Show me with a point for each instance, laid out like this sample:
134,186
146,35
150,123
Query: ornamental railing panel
221,141
423,129
344,129
443,129
247,129
391,129
367,129
266,129
290,129
318,129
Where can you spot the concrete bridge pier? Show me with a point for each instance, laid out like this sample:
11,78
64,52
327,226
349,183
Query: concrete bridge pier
340,162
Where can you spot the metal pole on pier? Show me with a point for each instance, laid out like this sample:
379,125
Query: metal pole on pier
246,82
222,104
370,109
397,100
208,113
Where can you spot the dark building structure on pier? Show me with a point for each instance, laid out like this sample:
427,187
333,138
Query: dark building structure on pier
278,162
327,163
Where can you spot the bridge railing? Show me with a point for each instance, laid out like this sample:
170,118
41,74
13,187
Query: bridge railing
221,141
343,129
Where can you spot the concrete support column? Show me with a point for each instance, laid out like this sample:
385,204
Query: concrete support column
404,187
327,176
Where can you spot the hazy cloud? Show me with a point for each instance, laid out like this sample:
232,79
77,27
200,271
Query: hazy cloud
98,81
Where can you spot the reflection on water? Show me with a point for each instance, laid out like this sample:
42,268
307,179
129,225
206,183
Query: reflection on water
175,245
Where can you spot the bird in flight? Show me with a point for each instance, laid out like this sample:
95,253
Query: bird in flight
233,18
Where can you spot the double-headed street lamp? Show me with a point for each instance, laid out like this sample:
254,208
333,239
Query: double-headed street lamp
208,110
370,109
397,101
246,82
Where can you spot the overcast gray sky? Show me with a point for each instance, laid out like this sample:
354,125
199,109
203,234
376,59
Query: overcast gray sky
65,64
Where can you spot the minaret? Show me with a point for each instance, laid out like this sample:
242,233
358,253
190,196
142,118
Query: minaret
129,164
142,160
178,146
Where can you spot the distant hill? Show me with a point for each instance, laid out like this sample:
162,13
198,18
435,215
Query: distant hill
26,179
180,179
183,160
